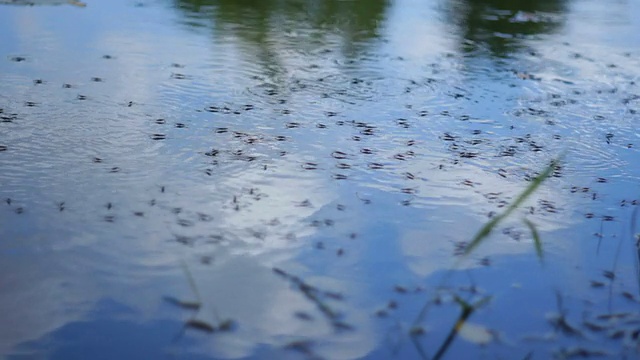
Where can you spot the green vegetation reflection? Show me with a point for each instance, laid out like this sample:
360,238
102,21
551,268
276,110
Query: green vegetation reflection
501,26
262,22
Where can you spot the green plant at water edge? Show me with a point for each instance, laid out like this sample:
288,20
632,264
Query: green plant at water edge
536,238
479,238
466,311
486,230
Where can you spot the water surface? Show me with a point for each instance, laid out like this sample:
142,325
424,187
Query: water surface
309,172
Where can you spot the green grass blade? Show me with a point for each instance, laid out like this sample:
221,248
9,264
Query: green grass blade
532,187
466,311
536,238
486,230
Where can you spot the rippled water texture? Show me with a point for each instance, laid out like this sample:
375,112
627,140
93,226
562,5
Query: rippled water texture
297,179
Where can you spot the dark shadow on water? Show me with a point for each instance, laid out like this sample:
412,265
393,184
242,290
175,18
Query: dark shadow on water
109,333
500,27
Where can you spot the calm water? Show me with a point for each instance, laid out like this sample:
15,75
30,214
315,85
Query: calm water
308,172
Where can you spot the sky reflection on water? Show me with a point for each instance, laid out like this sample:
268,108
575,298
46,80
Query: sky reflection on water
354,145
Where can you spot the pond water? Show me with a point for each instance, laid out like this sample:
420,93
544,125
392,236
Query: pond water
298,179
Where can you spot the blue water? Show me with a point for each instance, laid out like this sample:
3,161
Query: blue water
308,173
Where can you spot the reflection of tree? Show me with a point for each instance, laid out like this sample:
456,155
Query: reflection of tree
271,27
500,24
